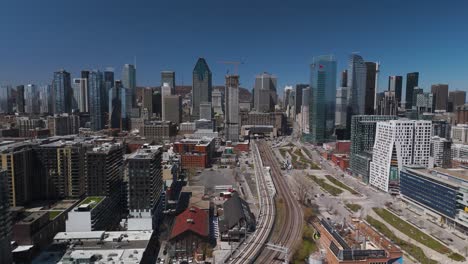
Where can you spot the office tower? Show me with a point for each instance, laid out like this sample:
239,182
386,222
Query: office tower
62,92
357,77
440,155
20,99
206,111
217,102
341,106
387,103
5,220
31,94
201,86
412,80
398,143
169,78
116,105
64,124
95,88
371,77
5,99
298,96
231,118
265,97
144,180
456,99
305,111
416,91
129,81
425,103
62,165
173,109
147,99
292,104
344,78
362,143
80,92
107,86
440,92
104,168
84,74
395,84
287,91
157,104
165,92
322,99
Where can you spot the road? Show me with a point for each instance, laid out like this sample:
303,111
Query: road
291,230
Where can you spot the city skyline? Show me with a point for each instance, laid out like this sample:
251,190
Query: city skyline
261,46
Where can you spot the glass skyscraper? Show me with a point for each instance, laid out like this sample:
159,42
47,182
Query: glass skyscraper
31,95
96,85
168,77
322,99
129,80
5,99
201,86
62,92
357,77
412,80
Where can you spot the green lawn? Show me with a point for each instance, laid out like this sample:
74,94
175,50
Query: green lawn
341,185
413,250
335,191
416,234
95,199
353,207
307,245
53,214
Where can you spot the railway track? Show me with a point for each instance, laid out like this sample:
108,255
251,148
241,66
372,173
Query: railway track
255,243
291,231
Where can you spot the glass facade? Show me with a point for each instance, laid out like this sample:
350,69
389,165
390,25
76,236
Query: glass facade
433,194
322,99
62,92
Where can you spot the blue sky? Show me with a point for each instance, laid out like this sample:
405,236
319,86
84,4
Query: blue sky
280,37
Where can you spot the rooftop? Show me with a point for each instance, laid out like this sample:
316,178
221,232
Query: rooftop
91,201
192,219
448,176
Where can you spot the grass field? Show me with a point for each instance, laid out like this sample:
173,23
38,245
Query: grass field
341,185
413,250
353,207
416,234
335,191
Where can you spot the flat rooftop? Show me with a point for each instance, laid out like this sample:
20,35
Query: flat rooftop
448,176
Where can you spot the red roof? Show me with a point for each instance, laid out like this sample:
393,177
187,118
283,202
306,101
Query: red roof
192,219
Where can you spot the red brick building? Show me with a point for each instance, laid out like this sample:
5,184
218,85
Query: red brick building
341,160
195,153
343,146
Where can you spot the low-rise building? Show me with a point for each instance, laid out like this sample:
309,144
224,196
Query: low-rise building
236,220
64,124
439,192
92,214
158,131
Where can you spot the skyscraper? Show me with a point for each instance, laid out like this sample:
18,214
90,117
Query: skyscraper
305,111
371,75
414,99
456,99
218,102
165,92
412,80
20,99
117,106
173,108
108,84
265,96
129,80
5,220
31,94
341,106
45,99
344,78
298,96
169,77
398,143
440,92
322,99
357,85
231,118
5,99
95,88
62,92
395,84
80,92
201,86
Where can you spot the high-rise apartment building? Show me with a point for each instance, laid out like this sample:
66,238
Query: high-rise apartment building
217,98
456,99
357,79
387,103
5,99
201,86
80,94
64,124
440,155
62,92
414,98
395,84
322,99
129,81
31,93
231,118
265,96
95,88
144,180
169,78
45,99
398,143
412,80
5,220
20,99
440,92
341,106
425,103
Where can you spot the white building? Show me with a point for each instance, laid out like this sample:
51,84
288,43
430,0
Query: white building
231,118
459,134
165,92
440,152
398,143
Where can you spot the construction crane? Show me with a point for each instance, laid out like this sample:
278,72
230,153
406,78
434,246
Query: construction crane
235,63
